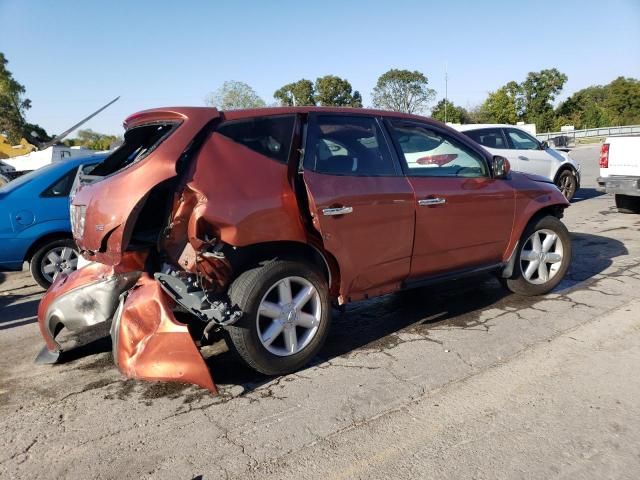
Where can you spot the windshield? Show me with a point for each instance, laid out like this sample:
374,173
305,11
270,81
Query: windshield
21,180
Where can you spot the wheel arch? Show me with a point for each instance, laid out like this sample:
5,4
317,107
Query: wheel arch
44,239
251,255
564,167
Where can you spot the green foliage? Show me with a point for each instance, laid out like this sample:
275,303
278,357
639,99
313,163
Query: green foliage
336,92
538,92
617,103
13,106
454,114
234,95
329,90
92,140
500,106
403,91
300,93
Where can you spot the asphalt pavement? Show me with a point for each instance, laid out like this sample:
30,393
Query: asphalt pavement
452,381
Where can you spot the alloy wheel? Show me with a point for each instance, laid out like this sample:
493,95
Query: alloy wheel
58,260
289,316
541,256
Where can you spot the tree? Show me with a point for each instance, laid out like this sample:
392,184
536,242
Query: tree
623,101
538,91
13,104
93,140
402,91
298,93
234,95
336,92
617,103
500,106
454,114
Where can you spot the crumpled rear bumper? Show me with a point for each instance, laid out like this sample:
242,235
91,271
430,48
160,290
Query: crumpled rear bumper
148,342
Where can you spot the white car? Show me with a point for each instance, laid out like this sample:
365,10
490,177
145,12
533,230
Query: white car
527,154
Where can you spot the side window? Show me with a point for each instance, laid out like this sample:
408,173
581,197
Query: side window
62,186
521,140
348,145
490,138
429,153
269,136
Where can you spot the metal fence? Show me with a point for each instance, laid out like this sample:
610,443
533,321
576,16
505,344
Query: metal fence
572,135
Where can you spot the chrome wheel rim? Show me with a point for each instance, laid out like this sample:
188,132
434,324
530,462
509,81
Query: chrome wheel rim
289,316
541,257
58,260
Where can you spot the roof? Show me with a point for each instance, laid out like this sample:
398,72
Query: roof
478,126
177,112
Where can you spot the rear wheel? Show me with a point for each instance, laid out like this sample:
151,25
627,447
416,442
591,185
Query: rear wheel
628,204
567,184
286,316
543,257
53,258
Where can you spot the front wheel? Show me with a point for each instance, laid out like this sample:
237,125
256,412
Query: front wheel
628,204
286,316
567,184
543,257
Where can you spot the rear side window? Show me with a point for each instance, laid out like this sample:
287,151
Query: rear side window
490,138
346,145
62,186
268,136
138,143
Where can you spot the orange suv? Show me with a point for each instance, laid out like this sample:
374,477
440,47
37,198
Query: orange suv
256,221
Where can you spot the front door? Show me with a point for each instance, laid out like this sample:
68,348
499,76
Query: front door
361,204
463,216
526,149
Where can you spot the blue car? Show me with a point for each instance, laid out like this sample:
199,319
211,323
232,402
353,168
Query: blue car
34,220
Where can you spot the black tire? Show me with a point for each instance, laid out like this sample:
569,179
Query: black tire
628,204
35,265
518,283
248,290
567,184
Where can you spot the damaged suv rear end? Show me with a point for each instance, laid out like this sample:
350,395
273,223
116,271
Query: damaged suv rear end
169,220
256,221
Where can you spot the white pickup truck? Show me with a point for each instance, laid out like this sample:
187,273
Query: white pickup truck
620,171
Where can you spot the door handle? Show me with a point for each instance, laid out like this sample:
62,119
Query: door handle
522,157
431,201
330,212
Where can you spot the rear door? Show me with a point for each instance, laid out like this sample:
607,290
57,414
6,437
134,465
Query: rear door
361,204
463,216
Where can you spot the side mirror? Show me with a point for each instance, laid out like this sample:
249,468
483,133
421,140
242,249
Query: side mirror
500,166
544,145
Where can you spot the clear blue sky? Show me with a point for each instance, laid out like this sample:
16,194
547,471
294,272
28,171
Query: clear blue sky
73,56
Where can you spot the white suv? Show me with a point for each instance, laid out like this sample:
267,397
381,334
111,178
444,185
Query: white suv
527,154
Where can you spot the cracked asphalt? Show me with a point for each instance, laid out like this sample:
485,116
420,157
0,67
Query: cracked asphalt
455,381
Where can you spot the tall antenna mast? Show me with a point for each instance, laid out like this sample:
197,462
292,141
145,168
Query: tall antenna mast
446,92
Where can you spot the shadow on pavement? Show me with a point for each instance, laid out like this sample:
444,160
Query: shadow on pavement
586,194
18,314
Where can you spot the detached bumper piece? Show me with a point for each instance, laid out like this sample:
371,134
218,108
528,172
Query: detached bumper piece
150,344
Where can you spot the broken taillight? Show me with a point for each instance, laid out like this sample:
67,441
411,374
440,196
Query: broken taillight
604,156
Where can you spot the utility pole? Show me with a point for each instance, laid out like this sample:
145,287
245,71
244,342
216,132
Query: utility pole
446,92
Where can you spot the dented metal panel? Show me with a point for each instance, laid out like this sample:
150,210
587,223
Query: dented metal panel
149,343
